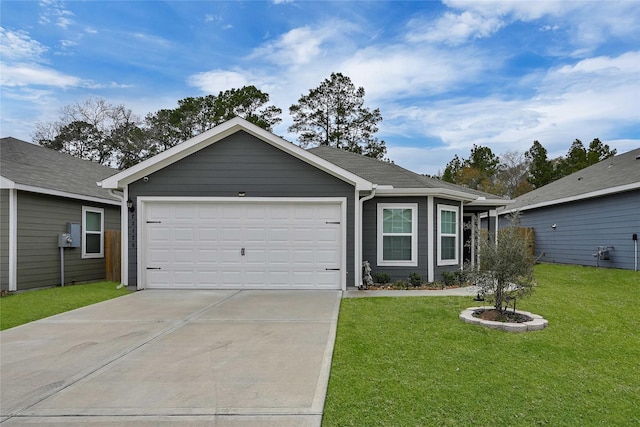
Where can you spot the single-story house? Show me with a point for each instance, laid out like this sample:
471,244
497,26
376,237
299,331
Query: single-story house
238,207
43,194
591,217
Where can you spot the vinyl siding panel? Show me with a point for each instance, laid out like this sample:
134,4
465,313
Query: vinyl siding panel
242,162
370,238
40,219
4,239
582,226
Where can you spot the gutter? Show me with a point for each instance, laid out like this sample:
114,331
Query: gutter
362,200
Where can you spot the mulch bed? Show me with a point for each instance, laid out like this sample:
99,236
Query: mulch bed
391,287
501,316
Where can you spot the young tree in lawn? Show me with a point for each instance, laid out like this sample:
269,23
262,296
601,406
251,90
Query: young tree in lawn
505,268
333,114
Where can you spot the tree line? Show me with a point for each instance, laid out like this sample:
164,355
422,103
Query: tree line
331,114
515,173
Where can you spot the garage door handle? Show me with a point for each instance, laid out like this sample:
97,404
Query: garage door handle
332,269
154,222
332,222
154,268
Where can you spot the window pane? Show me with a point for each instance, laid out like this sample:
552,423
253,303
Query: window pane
396,248
448,248
448,222
396,221
93,221
92,243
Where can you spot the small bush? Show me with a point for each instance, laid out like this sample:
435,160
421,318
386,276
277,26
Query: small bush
454,278
400,285
415,279
382,278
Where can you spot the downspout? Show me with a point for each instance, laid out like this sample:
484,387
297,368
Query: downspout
13,240
123,229
362,200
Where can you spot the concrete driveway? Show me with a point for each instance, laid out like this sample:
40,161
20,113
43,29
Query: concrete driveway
214,358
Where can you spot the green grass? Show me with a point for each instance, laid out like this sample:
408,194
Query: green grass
411,362
17,309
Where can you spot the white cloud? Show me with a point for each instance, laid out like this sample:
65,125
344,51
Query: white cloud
17,45
589,99
57,12
215,81
22,74
454,29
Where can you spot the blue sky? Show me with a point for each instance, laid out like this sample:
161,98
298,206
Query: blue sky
445,75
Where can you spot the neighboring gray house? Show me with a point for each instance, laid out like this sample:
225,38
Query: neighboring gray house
595,208
238,207
41,192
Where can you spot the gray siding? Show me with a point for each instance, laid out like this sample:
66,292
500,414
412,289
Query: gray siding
242,162
583,226
370,238
40,219
4,239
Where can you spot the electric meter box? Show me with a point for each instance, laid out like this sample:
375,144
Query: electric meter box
64,240
73,229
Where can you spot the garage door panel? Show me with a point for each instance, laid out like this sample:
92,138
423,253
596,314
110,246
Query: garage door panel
286,245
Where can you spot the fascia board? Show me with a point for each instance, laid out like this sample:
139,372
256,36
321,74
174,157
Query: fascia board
216,134
6,183
491,202
436,192
584,196
68,195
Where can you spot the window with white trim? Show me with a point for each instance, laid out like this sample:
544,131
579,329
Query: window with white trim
448,235
398,234
92,232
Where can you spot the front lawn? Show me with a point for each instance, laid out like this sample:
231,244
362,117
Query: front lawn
411,362
26,307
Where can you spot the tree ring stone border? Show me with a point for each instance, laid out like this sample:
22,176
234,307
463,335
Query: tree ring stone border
536,323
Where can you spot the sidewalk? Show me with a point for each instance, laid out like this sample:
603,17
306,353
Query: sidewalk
468,291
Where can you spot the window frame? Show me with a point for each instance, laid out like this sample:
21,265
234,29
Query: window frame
413,262
85,232
456,235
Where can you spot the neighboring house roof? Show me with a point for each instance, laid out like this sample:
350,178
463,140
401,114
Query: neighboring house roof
396,178
613,175
30,167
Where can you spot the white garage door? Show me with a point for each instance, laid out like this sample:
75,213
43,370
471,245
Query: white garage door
242,245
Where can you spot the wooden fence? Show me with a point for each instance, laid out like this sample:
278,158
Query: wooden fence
112,239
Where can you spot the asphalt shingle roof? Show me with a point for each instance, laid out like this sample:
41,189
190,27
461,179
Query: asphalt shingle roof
29,164
385,173
616,171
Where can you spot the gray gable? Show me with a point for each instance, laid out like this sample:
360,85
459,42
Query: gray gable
32,165
386,173
605,176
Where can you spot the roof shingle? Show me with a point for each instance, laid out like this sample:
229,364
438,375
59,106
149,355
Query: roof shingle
29,164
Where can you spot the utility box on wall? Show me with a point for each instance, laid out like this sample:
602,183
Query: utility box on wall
64,240
74,230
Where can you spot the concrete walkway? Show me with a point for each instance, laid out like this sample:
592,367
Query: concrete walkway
223,358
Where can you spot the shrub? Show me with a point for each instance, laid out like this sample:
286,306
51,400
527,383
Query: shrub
454,278
382,278
415,279
506,267
400,284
